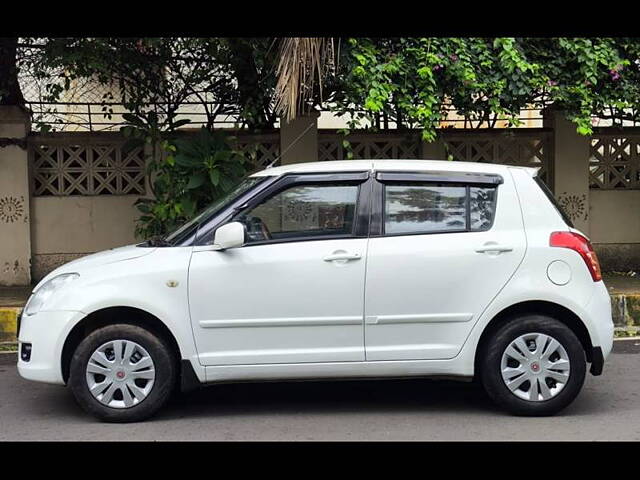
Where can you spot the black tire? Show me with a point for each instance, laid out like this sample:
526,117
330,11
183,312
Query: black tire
165,373
491,357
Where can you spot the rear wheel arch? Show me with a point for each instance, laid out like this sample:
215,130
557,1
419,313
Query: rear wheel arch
111,315
540,307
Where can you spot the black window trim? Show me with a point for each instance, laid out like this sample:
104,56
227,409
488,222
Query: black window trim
369,207
220,217
361,219
549,194
488,179
378,208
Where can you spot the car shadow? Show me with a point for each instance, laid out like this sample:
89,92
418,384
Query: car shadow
330,397
402,396
349,396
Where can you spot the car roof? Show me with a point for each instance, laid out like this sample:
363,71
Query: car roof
333,166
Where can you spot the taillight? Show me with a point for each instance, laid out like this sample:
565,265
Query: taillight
580,244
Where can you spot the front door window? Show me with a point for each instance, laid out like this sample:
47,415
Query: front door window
302,212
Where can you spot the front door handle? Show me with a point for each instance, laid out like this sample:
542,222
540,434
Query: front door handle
494,247
342,256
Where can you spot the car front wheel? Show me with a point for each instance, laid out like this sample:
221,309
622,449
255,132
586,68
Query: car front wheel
122,373
534,365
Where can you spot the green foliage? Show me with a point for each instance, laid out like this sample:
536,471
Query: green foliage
186,173
412,81
409,81
346,144
210,166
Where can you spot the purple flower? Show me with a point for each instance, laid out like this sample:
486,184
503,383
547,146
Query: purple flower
552,83
454,57
614,74
437,67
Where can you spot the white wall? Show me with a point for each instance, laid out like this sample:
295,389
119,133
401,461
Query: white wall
79,224
614,216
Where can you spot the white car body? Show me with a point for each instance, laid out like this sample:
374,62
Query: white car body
410,305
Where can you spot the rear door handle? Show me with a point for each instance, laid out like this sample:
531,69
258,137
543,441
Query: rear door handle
344,256
494,247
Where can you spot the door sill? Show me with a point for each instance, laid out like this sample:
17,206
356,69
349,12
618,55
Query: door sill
350,370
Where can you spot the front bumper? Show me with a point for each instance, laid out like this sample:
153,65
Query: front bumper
46,332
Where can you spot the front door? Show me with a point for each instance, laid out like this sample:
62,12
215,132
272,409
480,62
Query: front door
294,292
444,249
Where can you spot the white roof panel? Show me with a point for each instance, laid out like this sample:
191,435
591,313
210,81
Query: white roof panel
387,165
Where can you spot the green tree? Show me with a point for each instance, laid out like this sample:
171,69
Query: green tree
224,76
413,81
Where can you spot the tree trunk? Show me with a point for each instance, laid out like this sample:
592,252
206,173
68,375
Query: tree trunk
10,92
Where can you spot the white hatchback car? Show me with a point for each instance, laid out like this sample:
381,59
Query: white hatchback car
345,269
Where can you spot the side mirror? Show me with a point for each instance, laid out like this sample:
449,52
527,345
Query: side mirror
230,235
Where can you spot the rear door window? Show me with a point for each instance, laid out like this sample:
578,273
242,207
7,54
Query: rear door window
417,207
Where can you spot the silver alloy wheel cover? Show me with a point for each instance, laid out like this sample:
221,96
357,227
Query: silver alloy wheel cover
535,367
115,367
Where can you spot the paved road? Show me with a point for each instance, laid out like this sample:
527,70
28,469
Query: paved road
607,409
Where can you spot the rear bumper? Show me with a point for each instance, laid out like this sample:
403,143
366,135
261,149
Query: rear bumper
600,326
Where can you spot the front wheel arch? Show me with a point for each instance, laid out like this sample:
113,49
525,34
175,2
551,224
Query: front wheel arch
553,310
110,315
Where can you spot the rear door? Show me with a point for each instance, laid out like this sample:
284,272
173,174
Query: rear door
442,246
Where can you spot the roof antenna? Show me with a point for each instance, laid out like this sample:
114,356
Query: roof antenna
290,145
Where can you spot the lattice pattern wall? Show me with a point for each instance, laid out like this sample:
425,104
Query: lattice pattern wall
97,167
98,164
530,150
368,145
523,149
614,162
260,150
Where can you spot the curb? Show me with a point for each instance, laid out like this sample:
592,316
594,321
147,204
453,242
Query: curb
625,311
9,323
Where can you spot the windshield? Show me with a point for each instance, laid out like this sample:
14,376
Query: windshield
189,228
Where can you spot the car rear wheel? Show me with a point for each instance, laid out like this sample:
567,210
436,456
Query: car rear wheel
533,365
122,373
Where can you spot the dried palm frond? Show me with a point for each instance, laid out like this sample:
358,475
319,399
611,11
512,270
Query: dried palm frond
302,61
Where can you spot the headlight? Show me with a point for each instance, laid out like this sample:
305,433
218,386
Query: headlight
38,299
